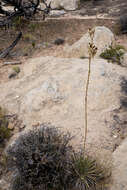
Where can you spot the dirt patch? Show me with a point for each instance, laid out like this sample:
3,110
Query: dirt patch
38,38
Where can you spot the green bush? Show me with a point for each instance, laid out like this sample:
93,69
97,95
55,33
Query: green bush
28,37
16,69
45,160
33,44
114,54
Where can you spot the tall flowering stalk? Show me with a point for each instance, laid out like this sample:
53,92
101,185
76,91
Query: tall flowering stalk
92,52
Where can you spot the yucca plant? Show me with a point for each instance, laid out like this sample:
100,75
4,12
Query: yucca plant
88,172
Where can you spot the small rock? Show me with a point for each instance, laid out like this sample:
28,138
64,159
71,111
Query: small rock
124,62
17,96
22,126
115,136
25,54
70,5
43,45
10,126
36,124
83,12
39,45
12,75
59,41
57,13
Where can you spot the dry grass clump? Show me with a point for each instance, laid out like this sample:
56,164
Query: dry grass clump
45,160
28,37
16,69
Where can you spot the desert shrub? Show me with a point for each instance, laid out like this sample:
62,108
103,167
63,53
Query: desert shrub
18,22
28,37
16,69
33,44
28,50
114,54
42,157
4,131
45,160
33,26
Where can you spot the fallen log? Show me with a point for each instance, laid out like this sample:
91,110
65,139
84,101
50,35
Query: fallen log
12,63
5,52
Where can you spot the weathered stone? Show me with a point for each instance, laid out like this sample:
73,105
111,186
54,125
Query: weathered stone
12,75
57,13
53,89
65,4
124,61
10,126
70,5
59,41
103,38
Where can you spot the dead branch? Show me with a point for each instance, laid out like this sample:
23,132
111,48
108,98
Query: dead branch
12,63
5,52
26,8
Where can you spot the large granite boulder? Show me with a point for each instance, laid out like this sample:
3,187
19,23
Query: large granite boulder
103,38
65,4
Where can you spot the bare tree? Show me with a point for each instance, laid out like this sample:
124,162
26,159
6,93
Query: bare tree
24,8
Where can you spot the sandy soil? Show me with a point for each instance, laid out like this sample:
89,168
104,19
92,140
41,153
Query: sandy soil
38,38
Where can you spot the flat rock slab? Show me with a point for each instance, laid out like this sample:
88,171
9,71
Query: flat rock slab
70,5
53,90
